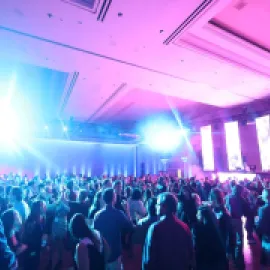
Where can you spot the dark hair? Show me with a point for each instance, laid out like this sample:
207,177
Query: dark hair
83,195
151,207
128,191
148,194
17,193
208,215
108,195
79,229
36,210
117,182
216,195
8,221
136,194
96,202
170,201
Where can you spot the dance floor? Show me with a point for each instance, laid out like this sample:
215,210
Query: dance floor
133,261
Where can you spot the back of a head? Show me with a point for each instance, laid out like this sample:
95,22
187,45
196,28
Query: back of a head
216,195
136,194
83,195
17,193
169,201
108,195
78,227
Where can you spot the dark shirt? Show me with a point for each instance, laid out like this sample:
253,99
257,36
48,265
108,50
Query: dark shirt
168,246
110,222
118,204
264,221
7,257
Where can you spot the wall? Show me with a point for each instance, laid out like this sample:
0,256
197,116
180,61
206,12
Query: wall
55,156
250,146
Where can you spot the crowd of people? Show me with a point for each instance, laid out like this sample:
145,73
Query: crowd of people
165,222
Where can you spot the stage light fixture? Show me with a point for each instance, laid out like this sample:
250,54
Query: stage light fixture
163,137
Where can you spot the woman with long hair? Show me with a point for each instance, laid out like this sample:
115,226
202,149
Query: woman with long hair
34,234
209,249
135,206
91,251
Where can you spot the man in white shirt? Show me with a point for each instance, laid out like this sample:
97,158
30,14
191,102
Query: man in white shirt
19,204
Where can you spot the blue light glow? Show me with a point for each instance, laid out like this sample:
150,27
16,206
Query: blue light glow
163,137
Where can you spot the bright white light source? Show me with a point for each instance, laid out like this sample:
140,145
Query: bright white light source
46,127
65,129
263,133
234,156
164,138
207,148
8,122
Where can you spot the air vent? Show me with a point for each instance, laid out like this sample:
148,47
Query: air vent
89,5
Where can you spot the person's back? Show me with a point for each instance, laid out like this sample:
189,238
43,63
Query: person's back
173,243
168,243
110,222
19,204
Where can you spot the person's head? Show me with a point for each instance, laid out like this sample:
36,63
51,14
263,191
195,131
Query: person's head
185,193
107,183
78,227
216,197
12,222
166,204
197,199
205,215
17,194
117,185
83,195
70,185
109,196
136,194
237,190
152,207
38,210
266,195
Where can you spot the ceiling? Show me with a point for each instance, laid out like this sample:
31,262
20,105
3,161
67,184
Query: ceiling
124,60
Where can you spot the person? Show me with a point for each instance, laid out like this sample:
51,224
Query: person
186,207
12,226
209,248
263,227
34,234
59,233
144,223
135,205
168,243
216,197
120,199
91,251
7,257
96,206
110,222
19,204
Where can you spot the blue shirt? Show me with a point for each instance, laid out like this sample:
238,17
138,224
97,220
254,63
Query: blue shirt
110,222
7,257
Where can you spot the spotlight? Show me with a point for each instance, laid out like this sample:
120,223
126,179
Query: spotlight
164,138
46,127
65,129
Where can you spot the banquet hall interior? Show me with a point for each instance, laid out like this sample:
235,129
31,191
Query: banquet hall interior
159,97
